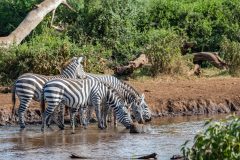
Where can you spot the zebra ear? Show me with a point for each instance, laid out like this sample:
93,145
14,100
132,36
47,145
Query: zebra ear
80,59
143,96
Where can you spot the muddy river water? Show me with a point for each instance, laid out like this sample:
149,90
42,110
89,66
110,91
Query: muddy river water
164,137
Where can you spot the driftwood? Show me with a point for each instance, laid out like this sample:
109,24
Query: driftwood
150,156
31,21
137,63
177,157
75,156
211,57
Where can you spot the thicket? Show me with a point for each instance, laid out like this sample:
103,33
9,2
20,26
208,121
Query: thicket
221,140
119,31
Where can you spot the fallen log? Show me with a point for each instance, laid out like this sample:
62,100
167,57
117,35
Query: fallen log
211,57
132,65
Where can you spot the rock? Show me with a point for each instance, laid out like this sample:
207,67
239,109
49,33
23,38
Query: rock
138,128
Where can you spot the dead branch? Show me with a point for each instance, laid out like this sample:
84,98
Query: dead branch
132,65
31,21
211,57
58,28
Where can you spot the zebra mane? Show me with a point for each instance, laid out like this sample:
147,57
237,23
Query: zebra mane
112,89
66,64
129,88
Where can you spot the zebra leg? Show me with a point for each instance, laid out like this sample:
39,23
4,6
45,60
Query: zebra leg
105,110
72,119
60,116
89,113
109,119
98,114
24,103
83,116
45,117
48,112
115,119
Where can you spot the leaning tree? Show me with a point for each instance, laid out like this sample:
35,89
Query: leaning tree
30,22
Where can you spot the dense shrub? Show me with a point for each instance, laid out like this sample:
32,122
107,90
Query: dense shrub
221,140
164,52
118,31
111,23
45,54
231,53
203,21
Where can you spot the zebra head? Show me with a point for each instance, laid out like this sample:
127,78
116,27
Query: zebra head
145,109
137,110
123,115
74,68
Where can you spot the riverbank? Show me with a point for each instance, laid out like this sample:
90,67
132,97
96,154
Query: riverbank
165,96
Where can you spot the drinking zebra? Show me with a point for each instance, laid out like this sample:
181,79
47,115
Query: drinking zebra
136,101
81,93
29,86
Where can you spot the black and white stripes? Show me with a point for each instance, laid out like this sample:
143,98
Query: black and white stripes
29,86
137,102
81,93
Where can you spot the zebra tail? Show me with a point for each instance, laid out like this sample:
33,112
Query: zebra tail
13,100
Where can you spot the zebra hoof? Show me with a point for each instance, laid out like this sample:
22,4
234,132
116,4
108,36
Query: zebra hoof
61,127
100,127
148,120
22,127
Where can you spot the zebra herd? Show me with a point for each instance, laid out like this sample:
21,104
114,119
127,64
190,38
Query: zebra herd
82,92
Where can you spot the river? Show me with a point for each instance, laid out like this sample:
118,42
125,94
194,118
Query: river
164,137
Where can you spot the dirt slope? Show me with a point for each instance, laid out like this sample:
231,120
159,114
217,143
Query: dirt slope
167,96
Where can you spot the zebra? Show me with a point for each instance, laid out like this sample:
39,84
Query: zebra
136,101
76,93
29,86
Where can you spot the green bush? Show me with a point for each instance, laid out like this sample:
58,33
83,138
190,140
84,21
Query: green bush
112,23
220,141
231,54
203,21
164,52
119,31
45,54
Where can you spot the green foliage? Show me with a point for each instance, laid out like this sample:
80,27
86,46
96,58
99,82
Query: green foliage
231,53
119,31
203,21
45,54
164,52
111,23
221,140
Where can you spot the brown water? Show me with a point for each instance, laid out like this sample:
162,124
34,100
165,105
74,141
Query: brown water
164,137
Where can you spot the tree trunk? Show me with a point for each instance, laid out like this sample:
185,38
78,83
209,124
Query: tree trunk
137,63
31,21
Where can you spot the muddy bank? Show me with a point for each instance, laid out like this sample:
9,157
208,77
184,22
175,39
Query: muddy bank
165,96
171,107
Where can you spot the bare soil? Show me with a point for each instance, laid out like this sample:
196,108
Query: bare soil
166,96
